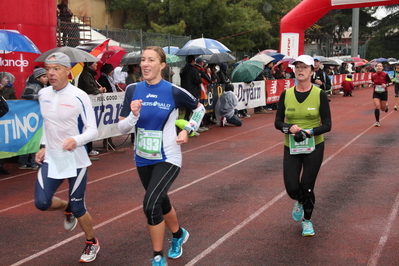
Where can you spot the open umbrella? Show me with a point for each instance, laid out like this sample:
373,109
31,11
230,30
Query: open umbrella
170,49
267,51
359,64
13,41
391,59
381,59
112,57
218,58
322,59
132,58
285,61
247,71
347,59
213,45
264,58
276,56
193,50
357,59
331,62
104,44
74,54
171,58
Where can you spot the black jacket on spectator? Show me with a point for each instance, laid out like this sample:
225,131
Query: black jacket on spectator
87,82
191,79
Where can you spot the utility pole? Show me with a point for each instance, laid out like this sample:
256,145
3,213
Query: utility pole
355,32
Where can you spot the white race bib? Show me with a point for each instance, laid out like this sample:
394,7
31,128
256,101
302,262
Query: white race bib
379,88
61,164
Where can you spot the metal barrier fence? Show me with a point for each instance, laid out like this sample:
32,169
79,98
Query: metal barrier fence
79,31
137,40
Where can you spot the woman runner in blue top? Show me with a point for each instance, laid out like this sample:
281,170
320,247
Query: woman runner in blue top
151,108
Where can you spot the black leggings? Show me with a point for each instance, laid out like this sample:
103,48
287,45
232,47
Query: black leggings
301,188
157,179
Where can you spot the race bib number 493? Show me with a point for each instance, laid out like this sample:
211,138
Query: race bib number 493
149,143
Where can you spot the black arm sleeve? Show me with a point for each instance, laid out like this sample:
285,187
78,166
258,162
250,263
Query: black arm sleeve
279,122
325,115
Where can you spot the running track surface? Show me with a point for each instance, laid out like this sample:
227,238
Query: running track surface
230,197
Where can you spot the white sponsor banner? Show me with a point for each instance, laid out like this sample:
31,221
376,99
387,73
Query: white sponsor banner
290,44
107,108
250,95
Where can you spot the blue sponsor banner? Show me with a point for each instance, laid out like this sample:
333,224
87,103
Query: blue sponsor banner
20,128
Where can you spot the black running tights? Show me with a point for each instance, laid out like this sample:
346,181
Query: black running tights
299,187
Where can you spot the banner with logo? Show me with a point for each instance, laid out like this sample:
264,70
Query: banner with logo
250,95
20,128
357,78
212,97
107,108
276,87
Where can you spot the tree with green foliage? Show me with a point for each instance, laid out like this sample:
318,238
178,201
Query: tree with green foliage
386,34
249,25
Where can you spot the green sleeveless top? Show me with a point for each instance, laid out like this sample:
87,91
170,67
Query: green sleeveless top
306,114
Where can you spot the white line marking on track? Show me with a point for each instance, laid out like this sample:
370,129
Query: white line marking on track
373,260
235,229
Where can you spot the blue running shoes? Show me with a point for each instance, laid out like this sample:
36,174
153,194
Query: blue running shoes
297,212
307,228
159,261
176,250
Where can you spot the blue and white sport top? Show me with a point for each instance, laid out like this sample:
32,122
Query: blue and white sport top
155,129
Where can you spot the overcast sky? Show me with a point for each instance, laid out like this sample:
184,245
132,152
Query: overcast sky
381,12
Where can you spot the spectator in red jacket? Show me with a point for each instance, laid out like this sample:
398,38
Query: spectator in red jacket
347,85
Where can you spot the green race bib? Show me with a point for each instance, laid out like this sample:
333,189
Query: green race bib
149,143
303,147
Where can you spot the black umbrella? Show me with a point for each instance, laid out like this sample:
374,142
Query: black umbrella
218,58
132,58
193,50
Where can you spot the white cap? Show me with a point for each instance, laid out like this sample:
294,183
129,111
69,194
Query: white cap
306,59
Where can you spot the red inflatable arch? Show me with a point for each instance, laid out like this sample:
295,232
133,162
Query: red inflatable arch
304,15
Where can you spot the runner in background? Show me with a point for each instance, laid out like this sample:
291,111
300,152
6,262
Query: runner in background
380,81
395,80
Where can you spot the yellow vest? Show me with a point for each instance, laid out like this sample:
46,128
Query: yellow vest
306,114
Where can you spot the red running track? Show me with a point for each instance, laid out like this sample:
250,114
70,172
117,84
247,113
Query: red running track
230,197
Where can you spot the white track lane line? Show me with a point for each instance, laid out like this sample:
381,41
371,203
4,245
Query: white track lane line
373,260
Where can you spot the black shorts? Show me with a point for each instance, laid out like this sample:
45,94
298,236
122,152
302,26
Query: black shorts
396,90
383,96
